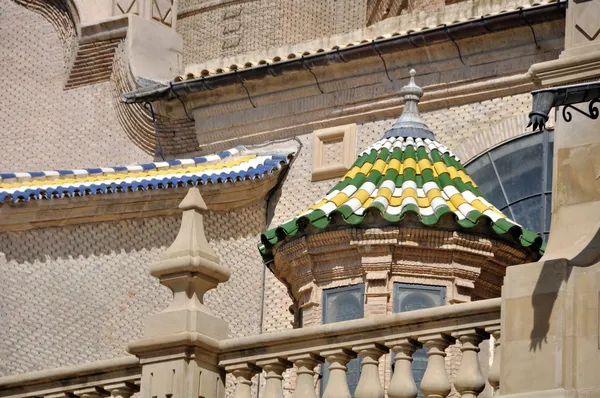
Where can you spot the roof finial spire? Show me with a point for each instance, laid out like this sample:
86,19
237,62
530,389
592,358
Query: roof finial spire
410,123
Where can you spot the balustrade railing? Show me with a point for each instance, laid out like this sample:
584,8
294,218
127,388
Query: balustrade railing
466,325
117,378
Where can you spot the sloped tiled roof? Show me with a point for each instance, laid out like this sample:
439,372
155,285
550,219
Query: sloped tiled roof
407,175
230,166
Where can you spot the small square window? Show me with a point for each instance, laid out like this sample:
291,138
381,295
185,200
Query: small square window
409,297
334,151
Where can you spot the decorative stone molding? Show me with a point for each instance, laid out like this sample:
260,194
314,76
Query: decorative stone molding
580,60
334,150
359,91
470,266
402,334
119,377
163,11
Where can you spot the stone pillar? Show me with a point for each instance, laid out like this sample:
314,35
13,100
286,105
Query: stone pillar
179,350
337,385
582,28
580,60
550,340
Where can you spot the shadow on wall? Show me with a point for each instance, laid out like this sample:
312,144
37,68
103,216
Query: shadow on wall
553,274
545,293
108,238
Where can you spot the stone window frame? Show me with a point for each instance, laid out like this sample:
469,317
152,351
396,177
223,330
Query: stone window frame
323,170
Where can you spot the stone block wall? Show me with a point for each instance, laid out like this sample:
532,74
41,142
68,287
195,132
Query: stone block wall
78,294
43,126
235,27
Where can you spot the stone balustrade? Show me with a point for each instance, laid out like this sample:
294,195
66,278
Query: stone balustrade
117,378
467,325
272,354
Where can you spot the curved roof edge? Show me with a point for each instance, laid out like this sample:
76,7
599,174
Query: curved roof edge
231,166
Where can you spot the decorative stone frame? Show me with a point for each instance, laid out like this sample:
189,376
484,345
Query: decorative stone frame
322,170
469,266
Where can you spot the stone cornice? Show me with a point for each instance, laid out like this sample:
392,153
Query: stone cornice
359,91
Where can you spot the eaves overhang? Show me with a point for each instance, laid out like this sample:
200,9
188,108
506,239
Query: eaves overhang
446,33
228,180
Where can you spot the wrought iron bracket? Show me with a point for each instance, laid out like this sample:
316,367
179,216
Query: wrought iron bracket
565,96
593,111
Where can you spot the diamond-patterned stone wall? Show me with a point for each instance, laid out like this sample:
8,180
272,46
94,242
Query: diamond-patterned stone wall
43,126
78,294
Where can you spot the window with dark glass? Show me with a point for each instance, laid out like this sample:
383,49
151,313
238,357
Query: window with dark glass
408,297
516,177
343,304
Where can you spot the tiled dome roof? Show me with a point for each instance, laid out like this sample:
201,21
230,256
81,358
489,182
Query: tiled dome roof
407,176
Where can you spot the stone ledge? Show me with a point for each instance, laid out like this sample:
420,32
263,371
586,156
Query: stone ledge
68,379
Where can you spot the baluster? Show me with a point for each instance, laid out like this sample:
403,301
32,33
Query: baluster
274,369
369,385
92,392
435,383
121,390
403,384
469,380
494,374
62,394
337,385
305,363
243,373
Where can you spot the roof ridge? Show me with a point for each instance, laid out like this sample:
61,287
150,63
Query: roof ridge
239,150
248,166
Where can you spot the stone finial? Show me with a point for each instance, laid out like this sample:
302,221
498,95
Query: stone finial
190,268
410,123
190,252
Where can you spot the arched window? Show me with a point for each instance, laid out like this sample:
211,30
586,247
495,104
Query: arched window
516,177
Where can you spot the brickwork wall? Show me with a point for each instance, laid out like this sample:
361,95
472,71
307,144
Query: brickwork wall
79,294
44,127
240,27
177,136
378,10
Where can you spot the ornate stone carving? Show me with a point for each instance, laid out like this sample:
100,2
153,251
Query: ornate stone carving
470,266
